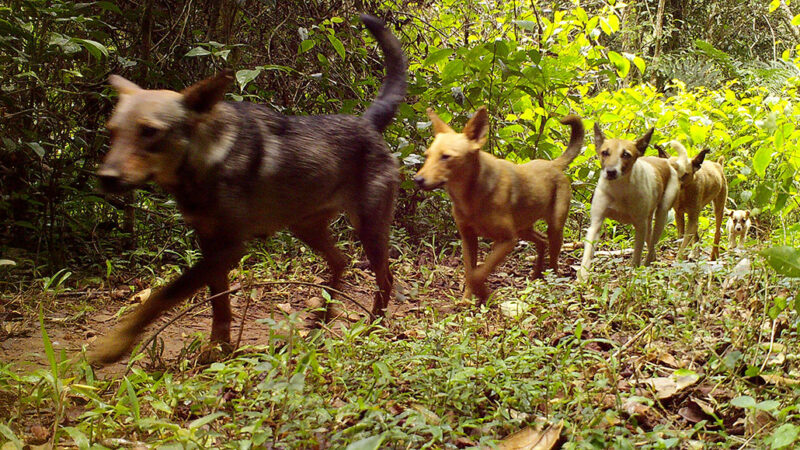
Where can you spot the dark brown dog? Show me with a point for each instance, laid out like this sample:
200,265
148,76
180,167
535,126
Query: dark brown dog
239,170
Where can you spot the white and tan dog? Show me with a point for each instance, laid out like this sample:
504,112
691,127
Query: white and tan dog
738,226
632,189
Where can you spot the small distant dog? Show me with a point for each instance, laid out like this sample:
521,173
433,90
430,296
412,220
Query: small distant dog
738,226
632,189
498,199
702,182
239,170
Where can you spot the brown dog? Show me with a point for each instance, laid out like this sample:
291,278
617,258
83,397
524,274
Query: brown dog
239,170
702,183
498,199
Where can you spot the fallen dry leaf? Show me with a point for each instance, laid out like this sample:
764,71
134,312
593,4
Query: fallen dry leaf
778,380
284,307
141,296
666,387
533,439
39,434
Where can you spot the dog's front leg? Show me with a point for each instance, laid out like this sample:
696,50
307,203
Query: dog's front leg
469,252
592,234
477,282
120,340
641,233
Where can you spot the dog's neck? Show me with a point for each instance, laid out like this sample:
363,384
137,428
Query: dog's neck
462,188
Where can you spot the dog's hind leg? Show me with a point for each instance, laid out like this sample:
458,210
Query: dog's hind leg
540,242
469,252
217,259
373,223
315,234
477,282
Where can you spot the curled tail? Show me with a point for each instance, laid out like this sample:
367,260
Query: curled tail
382,109
575,140
681,162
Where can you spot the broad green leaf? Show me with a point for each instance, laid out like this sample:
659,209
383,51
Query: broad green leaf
7,262
370,443
305,46
96,49
784,435
741,141
245,76
785,260
639,63
8,434
197,51
37,148
80,439
743,401
773,5
337,45
621,63
767,405
437,56
796,20
132,398
762,159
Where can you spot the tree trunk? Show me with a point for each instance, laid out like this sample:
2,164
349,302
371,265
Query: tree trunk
658,32
787,16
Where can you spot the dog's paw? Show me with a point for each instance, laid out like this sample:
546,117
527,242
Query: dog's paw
214,351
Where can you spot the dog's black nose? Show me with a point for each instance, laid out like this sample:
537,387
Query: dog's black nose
420,181
611,174
110,180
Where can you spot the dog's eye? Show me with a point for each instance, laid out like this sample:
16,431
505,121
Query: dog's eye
148,132
445,157
605,153
626,155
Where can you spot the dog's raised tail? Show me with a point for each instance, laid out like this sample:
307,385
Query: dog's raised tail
575,140
382,109
682,161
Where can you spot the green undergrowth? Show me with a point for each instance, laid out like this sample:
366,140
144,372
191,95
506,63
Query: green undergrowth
447,374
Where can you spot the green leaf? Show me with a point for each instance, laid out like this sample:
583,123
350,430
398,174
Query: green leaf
437,55
743,401
7,262
621,63
370,443
639,63
96,49
48,347
761,160
784,436
8,434
80,439
38,149
785,260
305,46
767,405
245,76
132,398
796,20
773,5
197,423
337,45
197,51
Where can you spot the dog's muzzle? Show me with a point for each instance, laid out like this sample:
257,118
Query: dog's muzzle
111,182
420,181
612,174
738,228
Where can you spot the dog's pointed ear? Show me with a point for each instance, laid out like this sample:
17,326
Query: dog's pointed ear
730,213
438,124
599,137
644,141
697,162
122,85
477,128
203,95
746,213
661,152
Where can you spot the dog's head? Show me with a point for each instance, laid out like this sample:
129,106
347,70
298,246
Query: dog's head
739,218
696,164
151,130
451,151
617,156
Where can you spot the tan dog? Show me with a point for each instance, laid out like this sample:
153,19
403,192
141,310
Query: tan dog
632,189
702,183
738,226
498,199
